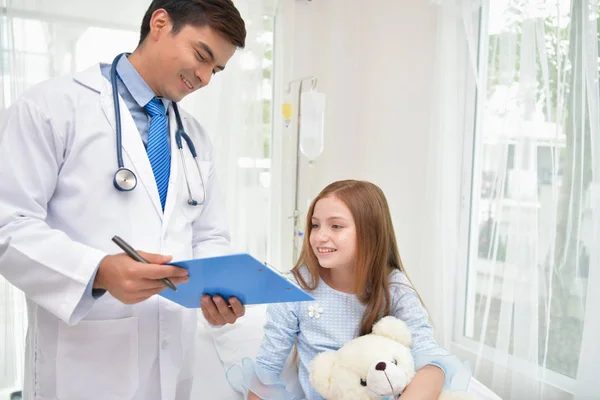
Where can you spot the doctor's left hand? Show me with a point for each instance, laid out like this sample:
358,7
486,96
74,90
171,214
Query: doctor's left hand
218,312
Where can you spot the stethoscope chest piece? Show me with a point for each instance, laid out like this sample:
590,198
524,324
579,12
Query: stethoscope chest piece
125,180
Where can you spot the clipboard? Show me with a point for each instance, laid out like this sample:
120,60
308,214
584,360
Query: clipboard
238,275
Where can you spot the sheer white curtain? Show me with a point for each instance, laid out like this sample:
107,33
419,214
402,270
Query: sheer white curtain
40,39
236,111
24,61
518,100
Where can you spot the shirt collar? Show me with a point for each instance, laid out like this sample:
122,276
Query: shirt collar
137,86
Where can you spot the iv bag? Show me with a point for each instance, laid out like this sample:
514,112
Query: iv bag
312,123
287,111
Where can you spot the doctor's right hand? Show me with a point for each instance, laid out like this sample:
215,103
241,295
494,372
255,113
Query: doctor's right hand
131,282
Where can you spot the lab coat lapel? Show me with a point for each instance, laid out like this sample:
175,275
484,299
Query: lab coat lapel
133,145
174,184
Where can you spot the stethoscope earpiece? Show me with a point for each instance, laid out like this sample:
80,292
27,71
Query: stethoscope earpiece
124,179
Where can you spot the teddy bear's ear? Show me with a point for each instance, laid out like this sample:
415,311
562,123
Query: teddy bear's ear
393,328
320,372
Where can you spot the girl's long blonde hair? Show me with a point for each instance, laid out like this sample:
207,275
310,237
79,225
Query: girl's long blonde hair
376,248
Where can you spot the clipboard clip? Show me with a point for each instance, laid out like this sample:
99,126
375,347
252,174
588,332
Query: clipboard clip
274,269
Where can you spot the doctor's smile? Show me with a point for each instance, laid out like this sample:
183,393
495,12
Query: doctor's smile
187,83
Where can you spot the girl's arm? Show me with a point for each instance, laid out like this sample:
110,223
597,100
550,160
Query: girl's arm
280,332
426,385
431,371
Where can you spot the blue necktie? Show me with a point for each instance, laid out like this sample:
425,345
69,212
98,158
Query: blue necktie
158,150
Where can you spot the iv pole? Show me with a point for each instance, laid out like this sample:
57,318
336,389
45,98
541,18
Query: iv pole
296,214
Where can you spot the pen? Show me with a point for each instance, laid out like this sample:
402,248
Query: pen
130,251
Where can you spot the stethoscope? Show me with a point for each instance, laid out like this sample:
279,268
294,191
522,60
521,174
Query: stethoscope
125,180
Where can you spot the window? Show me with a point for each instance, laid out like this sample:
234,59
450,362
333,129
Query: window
530,223
24,56
102,44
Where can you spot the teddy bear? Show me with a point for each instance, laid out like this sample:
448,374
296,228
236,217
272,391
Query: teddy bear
376,366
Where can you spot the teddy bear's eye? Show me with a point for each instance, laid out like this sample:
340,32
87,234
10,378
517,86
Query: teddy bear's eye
363,382
395,362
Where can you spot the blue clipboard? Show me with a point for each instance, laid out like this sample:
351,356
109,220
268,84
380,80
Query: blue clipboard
238,275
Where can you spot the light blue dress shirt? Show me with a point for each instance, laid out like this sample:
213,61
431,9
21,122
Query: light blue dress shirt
135,92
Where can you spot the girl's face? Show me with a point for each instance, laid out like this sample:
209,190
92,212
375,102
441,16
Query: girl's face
333,234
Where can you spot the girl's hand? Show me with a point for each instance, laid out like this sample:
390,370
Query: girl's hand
252,396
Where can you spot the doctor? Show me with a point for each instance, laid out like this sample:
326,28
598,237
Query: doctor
97,330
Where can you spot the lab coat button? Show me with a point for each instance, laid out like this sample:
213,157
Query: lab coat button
164,345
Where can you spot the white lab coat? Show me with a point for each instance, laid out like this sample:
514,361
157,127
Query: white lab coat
58,213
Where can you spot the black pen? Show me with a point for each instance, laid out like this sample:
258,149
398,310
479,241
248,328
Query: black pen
130,251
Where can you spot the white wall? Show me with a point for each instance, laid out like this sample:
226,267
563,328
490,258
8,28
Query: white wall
376,65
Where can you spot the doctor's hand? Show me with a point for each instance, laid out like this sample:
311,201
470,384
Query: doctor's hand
218,312
131,282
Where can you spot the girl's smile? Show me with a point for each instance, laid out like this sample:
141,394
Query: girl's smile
333,234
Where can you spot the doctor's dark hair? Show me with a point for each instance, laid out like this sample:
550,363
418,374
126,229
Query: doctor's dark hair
377,254
220,15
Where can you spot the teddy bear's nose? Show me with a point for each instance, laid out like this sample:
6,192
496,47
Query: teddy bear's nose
380,366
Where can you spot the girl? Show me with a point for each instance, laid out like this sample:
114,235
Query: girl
350,264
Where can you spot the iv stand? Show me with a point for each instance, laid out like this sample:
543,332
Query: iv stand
296,214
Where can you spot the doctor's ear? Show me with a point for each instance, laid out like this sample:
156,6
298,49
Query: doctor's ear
160,23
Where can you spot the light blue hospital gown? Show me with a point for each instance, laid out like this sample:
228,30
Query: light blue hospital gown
337,324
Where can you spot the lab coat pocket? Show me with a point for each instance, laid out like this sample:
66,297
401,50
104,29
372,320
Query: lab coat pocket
197,182
97,360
